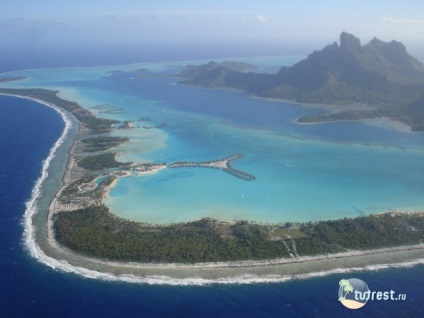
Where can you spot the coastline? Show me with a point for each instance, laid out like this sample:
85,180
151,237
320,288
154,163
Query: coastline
387,122
276,270
330,108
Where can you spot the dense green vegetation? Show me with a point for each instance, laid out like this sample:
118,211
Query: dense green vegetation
76,188
369,231
230,65
377,73
102,143
94,231
102,161
96,125
72,188
410,113
413,115
346,115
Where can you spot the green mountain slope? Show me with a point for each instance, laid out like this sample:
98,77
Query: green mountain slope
377,73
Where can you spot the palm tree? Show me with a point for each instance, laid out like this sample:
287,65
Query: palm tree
343,282
347,288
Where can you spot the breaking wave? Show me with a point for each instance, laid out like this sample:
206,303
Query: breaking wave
63,266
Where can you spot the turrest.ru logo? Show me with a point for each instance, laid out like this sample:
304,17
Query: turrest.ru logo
355,293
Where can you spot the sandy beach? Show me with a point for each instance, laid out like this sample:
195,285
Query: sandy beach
282,267
275,270
331,109
152,170
379,122
394,124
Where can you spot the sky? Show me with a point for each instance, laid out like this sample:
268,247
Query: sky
163,29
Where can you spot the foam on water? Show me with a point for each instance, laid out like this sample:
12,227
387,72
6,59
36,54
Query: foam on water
36,251
62,265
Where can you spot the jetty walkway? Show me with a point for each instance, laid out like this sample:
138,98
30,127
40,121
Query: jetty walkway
222,164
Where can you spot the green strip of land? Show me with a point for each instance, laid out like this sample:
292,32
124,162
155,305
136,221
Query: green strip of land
96,232
101,162
94,124
102,143
11,79
84,225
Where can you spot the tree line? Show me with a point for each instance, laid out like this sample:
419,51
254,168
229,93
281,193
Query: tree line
94,231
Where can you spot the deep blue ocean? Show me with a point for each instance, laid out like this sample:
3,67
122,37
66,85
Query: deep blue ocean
30,289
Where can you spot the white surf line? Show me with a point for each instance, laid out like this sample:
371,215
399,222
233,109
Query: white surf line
61,265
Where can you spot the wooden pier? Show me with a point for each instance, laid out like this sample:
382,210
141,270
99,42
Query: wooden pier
222,164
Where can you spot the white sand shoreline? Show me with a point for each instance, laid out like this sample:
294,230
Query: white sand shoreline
394,124
276,270
244,263
330,108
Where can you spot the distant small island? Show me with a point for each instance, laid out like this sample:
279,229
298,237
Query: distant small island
79,224
382,75
231,65
11,79
79,220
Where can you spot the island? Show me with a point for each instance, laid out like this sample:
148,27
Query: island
11,79
81,229
79,221
381,75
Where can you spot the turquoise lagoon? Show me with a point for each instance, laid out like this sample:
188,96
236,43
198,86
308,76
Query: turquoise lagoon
303,172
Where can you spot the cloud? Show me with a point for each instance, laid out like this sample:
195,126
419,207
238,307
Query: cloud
136,16
18,23
401,21
57,24
260,18
129,19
